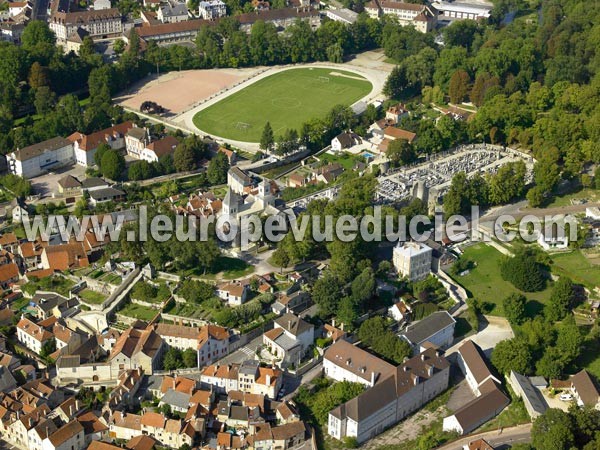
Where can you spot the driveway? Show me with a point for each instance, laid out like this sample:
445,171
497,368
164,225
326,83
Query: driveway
46,185
492,330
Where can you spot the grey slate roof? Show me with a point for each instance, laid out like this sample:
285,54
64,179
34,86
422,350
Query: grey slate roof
534,397
430,325
176,399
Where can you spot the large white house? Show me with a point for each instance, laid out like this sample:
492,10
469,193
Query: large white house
423,17
346,362
405,390
212,9
85,145
412,260
36,159
100,24
290,339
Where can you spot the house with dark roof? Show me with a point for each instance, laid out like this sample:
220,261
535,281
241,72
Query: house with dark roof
437,329
489,401
345,140
532,398
343,361
404,390
42,157
289,340
585,390
69,185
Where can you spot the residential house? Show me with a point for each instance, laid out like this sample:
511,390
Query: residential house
412,260
343,361
212,9
345,140
139,346
294,303
7,381
68,437
478,444
136,140
403,391
472,363
329,173
396,112
32,335
585,390
247,377
75,40
124,426
230,154
99,24
169,432
85,146
69,185
20,211
153,151
9,242
64,257
49,304
436,329
108,194
233,292
37,159
172,13
93,428
400,311
9,274
289,340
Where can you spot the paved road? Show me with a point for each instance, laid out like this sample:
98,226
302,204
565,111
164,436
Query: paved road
509,436
248,351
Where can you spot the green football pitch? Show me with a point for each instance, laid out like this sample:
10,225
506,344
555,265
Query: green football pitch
286,99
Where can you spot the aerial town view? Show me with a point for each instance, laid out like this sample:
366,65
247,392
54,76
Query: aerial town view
299,224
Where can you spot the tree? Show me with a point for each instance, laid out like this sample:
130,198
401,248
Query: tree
512,354
190,357
184,158
38,76
119,46
48,348
326,294
514,308
400,152
523,270
44,101
551,364
348,311
560,299
217,169
553,431
363,286
569,339
172,359
39,40
459,86
267,139
112,164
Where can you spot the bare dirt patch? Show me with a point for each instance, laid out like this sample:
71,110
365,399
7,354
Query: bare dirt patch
179,91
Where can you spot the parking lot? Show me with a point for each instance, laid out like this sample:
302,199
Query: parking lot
46,185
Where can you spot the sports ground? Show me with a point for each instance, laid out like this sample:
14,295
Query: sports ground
286,99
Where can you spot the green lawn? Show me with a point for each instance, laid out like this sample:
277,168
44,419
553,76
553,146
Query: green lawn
286,99
577,267
93,297
138,311
485,283
346,160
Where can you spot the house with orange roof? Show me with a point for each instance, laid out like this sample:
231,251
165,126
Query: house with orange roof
141,442
233,292
169,432
247,377
85,146
9,242
64,257
68,437
9,274
122,425
139,346
31,254
153,151
32,335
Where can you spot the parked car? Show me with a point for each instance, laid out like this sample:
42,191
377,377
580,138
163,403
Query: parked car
566,397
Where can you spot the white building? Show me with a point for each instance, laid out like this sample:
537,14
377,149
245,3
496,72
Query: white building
436,329
585,390
345,362
212,9
405,390
290,339
153,151
68,437
399,311
422,17
457,10
343,15
345,140
234,293
32,336
39,158
99,24
172,13
412,260
85,146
